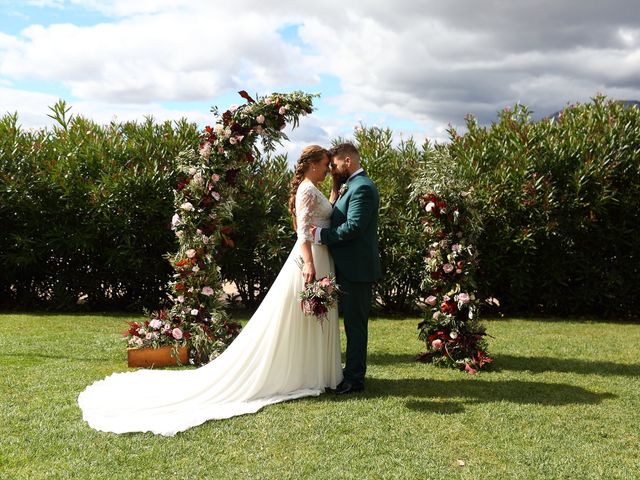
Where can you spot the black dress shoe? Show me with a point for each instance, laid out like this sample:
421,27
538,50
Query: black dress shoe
346,387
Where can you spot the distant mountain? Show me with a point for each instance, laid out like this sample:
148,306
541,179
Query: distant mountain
626,103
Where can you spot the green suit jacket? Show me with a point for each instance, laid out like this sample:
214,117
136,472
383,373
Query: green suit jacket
353,235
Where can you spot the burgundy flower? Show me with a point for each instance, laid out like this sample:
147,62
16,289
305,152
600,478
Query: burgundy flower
231,177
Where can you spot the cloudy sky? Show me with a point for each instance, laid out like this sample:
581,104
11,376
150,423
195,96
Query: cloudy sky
414,66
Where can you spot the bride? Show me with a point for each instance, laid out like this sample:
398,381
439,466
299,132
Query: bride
279,355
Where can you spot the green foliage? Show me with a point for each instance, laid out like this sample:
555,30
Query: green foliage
85,211
261,234
560,206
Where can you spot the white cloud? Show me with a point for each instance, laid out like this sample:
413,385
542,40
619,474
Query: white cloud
424,62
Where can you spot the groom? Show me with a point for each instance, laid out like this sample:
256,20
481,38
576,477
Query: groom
353,243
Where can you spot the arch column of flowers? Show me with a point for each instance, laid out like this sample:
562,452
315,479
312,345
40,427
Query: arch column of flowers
202,220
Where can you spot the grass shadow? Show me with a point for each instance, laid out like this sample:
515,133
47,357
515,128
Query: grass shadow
390,358
512,391
44,357
564,365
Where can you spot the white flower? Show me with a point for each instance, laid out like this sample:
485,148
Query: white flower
197,179
205,150
155,323
181,298
176,333
205,239
198,231
208,291
175,220
215,195
260,119
448,268
430,206
453,335
455,247
463,298
233,107
179,234
227,132
194,311
436,315
191,253
215,177
138,341
192,170
195,269
431,300
186,206
219,128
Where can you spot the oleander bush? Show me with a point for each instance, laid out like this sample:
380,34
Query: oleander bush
559,203
85,211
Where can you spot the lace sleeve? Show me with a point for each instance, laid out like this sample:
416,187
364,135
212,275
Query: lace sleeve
306,204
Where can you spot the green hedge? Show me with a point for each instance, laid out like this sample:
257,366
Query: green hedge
560,206
85,211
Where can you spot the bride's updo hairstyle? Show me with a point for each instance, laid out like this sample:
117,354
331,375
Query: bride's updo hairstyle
313,154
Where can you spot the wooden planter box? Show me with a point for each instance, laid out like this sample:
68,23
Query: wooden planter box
156,357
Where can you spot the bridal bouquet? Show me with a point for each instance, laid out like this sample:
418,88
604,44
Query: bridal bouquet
319,297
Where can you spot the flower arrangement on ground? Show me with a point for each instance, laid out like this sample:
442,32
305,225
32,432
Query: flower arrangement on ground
450,327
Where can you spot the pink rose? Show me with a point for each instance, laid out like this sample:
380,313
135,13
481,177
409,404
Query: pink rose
260,119
447,267
176,333
463,298
155,324
215,177
325,282
455,247
282,111
437,344
191,253
181,298
208,291
215,195
431,300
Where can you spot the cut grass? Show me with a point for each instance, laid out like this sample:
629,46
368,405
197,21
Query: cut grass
560,402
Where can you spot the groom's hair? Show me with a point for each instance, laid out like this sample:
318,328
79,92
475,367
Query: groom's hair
345,150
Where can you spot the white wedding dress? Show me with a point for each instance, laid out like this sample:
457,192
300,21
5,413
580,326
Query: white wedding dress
279,355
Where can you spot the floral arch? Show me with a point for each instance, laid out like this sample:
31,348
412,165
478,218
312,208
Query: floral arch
203,199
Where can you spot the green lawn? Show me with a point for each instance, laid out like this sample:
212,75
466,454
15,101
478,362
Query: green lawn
562,401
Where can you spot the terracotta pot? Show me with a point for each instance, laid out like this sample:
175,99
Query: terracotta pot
156,357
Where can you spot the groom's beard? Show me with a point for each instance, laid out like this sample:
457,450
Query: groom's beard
340,177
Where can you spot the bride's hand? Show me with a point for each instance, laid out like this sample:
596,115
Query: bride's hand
308,272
